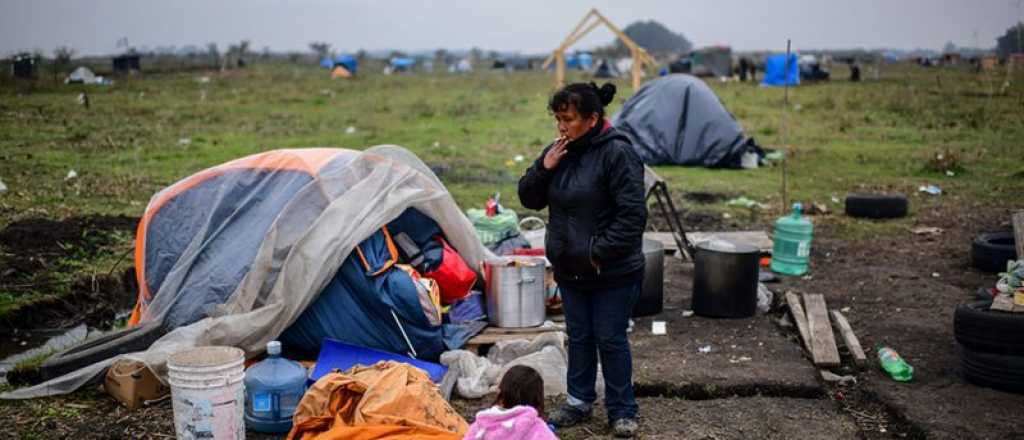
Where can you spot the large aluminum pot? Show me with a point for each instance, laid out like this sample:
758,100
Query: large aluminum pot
515,291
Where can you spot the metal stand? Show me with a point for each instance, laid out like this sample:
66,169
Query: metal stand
668,210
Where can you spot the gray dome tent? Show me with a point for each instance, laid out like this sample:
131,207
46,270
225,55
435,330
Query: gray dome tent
678,120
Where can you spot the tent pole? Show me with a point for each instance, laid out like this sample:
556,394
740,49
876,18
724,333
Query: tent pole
560,69
785,146
636,68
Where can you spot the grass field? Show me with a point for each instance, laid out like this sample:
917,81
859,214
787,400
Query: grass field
146,132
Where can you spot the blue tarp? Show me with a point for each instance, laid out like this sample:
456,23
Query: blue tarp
583,61
350,62
402,63
775,73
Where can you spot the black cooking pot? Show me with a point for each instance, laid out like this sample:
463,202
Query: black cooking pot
725,279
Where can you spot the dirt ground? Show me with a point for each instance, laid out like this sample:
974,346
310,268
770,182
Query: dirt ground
756,381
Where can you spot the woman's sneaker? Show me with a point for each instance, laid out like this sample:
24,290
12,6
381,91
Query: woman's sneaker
625,427
568,415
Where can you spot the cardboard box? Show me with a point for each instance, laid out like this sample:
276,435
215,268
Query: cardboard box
132,383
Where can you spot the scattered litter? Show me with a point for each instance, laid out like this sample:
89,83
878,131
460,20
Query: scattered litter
785,321
726,215
950,173
71,175
629,329
740,359
519,158
185,141
930,189
704,349
351,130
437,144
817,209
745,202
775,156
926,230
3,188
203,80
764,298
687,313
845,309
658,327
831,377
135,203
935,275
836,200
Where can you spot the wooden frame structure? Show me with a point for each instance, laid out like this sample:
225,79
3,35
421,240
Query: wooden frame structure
640,56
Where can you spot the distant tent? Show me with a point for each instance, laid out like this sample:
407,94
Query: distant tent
340,72
606,69
350,62
127,63
775,73
625,64
581,61
23,65
678,120
463,66
712,61
82,75
402,64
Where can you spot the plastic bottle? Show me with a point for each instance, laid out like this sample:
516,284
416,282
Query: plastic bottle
892,363
273,388
792,249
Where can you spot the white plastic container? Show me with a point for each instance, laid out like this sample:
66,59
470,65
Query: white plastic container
207,393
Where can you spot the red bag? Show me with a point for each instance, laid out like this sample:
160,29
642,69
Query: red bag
453,276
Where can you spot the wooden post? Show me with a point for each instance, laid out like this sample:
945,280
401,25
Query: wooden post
1018,233
637,61
559,69
785,148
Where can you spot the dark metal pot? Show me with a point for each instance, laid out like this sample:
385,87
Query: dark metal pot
652,294
725,279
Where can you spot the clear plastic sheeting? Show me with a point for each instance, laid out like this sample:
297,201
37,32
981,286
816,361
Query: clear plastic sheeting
349,197
473,377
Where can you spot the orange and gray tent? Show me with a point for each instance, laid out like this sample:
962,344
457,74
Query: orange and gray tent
293,244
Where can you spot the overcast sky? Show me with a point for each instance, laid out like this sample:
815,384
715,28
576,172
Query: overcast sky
529,26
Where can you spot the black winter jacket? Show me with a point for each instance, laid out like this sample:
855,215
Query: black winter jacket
597,211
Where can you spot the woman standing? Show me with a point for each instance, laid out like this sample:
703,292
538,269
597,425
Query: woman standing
591,181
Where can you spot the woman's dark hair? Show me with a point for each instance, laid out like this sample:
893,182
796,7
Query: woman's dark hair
587,98
521,385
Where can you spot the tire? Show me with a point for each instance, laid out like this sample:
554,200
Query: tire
996,371
991,251
876,206
120,342
980,329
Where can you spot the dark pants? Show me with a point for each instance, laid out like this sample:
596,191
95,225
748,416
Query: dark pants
596,321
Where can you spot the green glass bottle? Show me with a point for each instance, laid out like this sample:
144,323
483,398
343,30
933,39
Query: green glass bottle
792,248
892,363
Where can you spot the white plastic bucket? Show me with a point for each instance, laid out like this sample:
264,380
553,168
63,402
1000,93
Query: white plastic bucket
207,393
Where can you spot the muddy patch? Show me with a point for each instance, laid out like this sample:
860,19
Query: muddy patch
40,272
706,198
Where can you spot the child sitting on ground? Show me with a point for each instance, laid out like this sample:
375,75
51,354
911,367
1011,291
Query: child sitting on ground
517,411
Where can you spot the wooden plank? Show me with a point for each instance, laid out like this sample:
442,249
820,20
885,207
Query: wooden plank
823,342
758,239
800,318
1018,233
512,330
491,338
849,339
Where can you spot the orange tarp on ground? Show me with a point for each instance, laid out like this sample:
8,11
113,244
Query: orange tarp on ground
382,401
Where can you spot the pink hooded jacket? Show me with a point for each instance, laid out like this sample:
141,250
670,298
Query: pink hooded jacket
520,422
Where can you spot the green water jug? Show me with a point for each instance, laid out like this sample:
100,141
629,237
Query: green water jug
792,249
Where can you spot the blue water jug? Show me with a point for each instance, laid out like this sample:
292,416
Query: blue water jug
792,249
273,388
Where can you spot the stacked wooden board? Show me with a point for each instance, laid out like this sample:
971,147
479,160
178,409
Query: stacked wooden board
812,321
